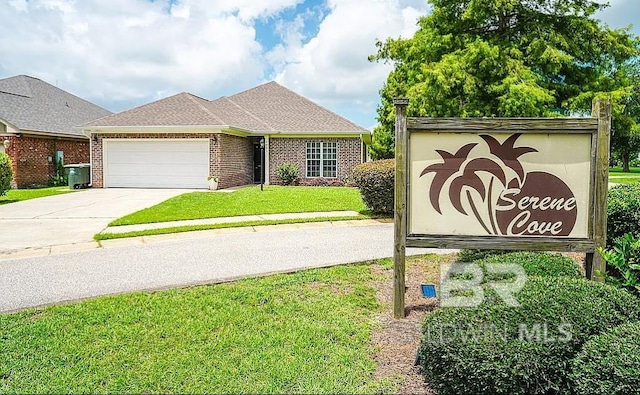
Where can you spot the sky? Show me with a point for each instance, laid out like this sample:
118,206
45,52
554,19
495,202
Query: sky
120,54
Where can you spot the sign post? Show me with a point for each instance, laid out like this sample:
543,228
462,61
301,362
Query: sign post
501,183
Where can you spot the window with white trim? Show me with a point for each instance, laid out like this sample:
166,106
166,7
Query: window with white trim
322,159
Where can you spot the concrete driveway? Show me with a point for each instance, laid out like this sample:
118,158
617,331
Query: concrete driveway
70,218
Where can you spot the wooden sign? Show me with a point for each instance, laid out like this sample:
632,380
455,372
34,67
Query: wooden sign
501,183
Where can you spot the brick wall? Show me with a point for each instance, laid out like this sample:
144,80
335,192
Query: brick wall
236,161
293,150
30,157
226,158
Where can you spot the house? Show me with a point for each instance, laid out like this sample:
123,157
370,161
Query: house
37,128
179,141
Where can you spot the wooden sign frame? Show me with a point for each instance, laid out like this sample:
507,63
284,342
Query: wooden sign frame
598,126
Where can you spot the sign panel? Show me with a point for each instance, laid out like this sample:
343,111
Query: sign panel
490,183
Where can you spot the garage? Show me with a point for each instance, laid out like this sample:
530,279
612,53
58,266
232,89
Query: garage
156,163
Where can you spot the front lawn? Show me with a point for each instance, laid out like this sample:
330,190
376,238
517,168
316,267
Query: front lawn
308,332
248,201
17,195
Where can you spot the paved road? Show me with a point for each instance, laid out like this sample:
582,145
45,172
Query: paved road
51,279
70,218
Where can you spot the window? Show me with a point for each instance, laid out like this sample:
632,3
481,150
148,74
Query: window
322,159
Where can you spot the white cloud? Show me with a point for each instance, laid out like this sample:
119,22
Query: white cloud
332,68
135,50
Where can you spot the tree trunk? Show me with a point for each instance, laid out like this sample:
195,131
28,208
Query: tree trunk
625,162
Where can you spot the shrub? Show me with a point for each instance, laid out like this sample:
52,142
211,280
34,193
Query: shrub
376,183
541,264
609,363
288,173
623,211
324,182
623,263
499,349
467,255
6,173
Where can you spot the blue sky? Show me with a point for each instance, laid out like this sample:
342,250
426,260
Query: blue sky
124,53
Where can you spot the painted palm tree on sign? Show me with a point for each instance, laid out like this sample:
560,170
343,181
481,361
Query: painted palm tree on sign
445,170
467,178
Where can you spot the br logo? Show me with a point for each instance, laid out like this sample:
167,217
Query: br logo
510,201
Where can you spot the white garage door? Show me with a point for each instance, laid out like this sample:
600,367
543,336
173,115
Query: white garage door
166,163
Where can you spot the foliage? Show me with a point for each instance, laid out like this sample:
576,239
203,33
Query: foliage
6,173
288,173
324,182
623,211
470,255
472,58
376,182
60,178
541,264
625,126
306,332
623,263
248,201
609,363
520,350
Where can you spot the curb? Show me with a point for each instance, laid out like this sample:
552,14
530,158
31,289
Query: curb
154,239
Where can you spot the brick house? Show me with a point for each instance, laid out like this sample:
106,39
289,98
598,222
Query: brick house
37,128
179,141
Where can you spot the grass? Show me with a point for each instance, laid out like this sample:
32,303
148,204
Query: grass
248,201
307,332
617,171
17,195
191,228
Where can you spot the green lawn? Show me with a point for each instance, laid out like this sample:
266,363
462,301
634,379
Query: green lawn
617,176
248,201
16,195
308,332
191,228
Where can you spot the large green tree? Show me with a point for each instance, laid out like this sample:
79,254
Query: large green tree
510,58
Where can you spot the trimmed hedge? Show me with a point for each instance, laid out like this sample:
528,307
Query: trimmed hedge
609,363
623,211
467,255
6,173
520,350
376,182
541,264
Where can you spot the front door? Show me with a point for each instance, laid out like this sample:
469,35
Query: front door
257,163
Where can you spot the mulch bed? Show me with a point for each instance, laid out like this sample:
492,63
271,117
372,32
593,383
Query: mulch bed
396,341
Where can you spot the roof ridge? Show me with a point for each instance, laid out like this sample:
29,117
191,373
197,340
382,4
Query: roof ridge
252,115
323,108
205,109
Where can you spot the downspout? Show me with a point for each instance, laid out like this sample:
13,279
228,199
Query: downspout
266,159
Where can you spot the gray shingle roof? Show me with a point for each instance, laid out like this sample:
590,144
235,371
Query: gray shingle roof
285,110
183,109
268,107
31,104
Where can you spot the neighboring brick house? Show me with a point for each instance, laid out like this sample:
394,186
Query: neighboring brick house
179,141
36,128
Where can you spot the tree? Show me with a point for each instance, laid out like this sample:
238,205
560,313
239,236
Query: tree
509,58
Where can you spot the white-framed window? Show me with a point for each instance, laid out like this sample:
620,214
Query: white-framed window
322,159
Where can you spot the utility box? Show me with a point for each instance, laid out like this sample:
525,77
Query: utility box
78,175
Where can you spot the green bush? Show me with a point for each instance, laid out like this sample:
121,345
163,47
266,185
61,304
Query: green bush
541,264
6,173
499,349
623,263
623,211
376,182
467,255
288,173
609,363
